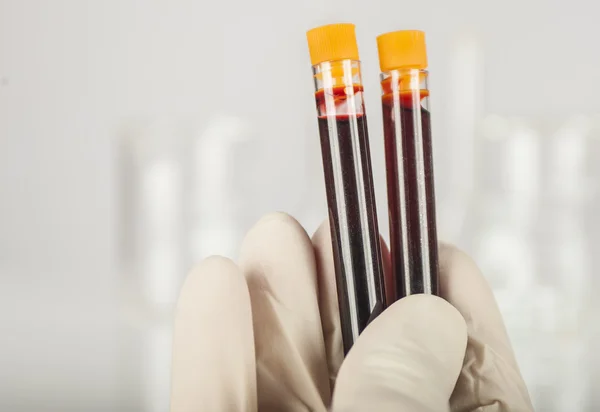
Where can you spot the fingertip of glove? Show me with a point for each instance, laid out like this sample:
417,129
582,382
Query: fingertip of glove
277,259
213,279
433,311
423,316
274,221
214,268
275,240
272,229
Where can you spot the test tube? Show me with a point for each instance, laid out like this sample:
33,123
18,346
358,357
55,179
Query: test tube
348,177
409,163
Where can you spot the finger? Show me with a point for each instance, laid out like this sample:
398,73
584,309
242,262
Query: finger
490,377
408,359
213,346
328,303
278,262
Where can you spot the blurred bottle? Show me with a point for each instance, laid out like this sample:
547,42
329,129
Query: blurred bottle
456,172
507,195
215,226
492,200
568,183
508,188
179,203
569,196
528,189
153,202
152,249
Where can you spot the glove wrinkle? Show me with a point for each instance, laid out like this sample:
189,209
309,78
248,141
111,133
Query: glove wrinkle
488,383
278,261
490,378
294,402
265,336
277,382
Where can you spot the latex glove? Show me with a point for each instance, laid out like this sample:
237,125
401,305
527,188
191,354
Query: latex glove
264,336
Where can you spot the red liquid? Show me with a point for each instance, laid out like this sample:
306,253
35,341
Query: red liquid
352,213
414,252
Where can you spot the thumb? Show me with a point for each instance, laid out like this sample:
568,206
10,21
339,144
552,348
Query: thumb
408,359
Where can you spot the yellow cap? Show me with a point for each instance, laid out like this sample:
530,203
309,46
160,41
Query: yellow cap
332,42
402,50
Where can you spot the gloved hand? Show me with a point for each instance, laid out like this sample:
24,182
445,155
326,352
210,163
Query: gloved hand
264,335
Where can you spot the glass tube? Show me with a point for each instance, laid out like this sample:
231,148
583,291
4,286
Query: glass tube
349,187
409,163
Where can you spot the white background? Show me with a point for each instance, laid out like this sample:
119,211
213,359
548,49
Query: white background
84,84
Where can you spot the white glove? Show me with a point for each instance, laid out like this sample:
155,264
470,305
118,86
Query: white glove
264,336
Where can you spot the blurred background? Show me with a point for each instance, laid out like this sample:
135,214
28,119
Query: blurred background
138,137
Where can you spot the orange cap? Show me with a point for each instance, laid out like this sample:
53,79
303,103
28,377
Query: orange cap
402,50
332,42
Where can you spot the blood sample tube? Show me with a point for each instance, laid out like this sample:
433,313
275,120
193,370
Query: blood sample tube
348,177
409,163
